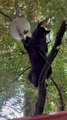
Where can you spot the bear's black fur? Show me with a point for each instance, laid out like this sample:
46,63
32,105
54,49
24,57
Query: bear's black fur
34,46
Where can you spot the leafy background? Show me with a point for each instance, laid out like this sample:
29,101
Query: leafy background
16,92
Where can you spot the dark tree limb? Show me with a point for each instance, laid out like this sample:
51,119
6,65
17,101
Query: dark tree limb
57,43
6,15
41,99
42,87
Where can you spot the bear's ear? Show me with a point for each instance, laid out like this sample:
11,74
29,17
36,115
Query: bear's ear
40,23
47,31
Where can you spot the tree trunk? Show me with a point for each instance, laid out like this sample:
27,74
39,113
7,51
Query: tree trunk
42,86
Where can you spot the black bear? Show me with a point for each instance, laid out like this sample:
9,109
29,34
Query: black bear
37,48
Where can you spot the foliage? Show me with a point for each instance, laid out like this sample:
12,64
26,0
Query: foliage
12,60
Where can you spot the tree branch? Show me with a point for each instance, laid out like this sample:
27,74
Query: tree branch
44,72
41,99
4,14
17,8
26,69
60,94
57,43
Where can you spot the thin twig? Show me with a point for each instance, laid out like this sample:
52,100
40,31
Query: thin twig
4,14
60,94
26,69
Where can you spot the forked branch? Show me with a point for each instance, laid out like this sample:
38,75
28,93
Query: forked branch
42,86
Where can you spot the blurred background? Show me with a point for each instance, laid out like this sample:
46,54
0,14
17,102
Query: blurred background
17,95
